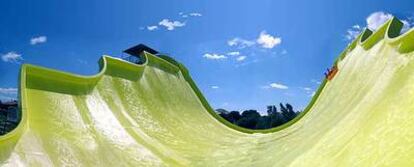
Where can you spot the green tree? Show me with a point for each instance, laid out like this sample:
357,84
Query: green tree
249,119
232,116
253,120
287,111
264,122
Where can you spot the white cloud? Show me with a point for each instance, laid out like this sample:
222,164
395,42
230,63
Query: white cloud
214,87
233,53
152,28
214,56
195,14
240,43
376,19
373,22
241,58
265,40
284,51
11,57
275,86
353,32
38,40
268,41
278,86
407,25
8,91
171,25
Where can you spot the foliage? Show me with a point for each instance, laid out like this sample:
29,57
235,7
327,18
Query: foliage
253,120
8,117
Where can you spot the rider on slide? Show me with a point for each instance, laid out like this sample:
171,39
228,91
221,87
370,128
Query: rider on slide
331,72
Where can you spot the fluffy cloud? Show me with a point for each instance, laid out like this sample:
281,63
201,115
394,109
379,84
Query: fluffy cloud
214,56
278,86
38,40
152,28
233,53
353,32
407,25
268,41
241,58
11,57
171,25
373,22
376,19
240,43
275,86
265,40
8,91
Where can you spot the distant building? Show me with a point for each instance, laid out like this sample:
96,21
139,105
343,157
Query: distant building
134,53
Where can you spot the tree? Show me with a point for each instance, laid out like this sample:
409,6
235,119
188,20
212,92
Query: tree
271,110
287,111
264,122
249,119
290,113
235,115
232,116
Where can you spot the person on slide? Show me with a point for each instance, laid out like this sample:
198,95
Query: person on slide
331,72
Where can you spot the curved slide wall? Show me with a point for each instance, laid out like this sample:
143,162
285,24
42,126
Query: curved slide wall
154,115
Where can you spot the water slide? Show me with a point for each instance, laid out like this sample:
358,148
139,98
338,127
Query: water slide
154,115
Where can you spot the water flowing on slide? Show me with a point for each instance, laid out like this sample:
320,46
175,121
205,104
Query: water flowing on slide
154,115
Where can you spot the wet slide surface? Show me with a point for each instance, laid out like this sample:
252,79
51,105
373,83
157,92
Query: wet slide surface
153,115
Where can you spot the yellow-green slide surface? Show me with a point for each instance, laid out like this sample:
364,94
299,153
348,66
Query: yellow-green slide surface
154,115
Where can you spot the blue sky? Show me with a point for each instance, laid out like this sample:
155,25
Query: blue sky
242,54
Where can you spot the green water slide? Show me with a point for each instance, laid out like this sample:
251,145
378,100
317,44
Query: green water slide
154,115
